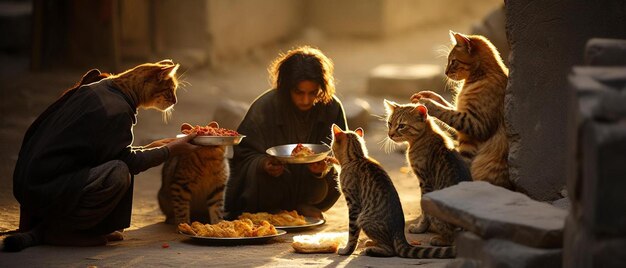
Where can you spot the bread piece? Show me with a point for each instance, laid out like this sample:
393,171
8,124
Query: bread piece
318,243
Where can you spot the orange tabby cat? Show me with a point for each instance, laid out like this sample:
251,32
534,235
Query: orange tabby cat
478,112
192,187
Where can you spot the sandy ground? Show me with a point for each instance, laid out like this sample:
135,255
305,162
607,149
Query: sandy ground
150,242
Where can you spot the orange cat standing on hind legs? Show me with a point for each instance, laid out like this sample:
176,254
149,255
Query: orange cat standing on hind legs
478,112
74,173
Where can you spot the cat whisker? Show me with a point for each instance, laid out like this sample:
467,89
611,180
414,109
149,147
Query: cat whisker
167,114
442,51
387,145
379,117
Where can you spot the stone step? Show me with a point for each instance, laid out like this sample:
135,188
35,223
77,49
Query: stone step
494,212
605,52
473,251
403,80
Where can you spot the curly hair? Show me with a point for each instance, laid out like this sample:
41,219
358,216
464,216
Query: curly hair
303,63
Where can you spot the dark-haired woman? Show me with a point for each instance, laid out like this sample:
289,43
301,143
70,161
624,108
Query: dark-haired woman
300,108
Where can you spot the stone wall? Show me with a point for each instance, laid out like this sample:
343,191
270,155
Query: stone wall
547,39
375,18
236,27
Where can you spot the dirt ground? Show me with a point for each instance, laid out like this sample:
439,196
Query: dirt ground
150,242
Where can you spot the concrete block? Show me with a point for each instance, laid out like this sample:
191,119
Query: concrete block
493,26
503,253
358,112
563,203
603,158
605,52
583,248
464,263
229,113
405,80
494,212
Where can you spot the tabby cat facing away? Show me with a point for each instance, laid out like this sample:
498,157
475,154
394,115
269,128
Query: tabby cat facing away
478,113
373,202
193,185
432,157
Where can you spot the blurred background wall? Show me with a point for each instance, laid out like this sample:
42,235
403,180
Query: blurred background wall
116,33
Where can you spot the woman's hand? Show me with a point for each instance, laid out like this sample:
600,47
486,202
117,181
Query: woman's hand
181,145
320,168
159,143
273,167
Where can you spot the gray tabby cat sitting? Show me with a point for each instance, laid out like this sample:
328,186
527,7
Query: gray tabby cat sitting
432,157
373,202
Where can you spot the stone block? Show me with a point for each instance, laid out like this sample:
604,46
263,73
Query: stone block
605,52
563,203
603,201
464,263
405,80
503,253
358,112
493,28
583,248
229,113
494,212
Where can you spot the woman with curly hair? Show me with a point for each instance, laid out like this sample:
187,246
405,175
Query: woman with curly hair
300,108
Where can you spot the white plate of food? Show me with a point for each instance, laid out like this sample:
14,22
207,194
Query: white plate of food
233,240
300,153
215,140
310,222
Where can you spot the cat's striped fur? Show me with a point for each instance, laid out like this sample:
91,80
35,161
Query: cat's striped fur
193,185
478,112
432,157
373,202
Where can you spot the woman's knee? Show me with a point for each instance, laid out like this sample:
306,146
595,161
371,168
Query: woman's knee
119,174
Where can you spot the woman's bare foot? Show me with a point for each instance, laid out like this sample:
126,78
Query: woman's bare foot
114,236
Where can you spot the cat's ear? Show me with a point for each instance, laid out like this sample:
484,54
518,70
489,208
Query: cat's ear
359,131
90,77
168,72
166,62
422,110
461,41
336,130
390,106
214,124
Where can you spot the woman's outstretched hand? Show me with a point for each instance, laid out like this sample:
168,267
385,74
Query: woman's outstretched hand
182,145
273,167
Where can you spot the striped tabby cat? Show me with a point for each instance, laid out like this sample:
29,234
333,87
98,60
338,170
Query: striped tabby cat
478,115
192,187
373,203
433,158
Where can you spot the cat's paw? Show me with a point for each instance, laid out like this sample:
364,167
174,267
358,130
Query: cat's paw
378,252
439,241
425,94
369,243
419,228
345,251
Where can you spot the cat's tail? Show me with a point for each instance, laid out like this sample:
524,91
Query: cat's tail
404,250
18,242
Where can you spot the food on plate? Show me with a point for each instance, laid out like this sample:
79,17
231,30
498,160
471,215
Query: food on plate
318,243
301,151
236,228
283,218
212,129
